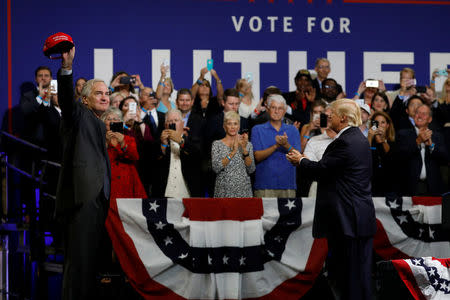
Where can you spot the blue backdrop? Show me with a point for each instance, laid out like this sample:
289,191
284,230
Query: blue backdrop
270,38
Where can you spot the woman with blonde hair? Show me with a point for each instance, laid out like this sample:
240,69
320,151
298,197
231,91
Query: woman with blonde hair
248,102
232,160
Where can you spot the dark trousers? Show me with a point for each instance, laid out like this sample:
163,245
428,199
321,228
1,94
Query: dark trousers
350,265
85,241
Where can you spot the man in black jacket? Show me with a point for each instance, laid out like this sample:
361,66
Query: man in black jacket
344,211
149,165
42,118
82,198
420,152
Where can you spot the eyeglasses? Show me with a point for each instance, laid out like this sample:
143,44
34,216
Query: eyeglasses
323,67
329,86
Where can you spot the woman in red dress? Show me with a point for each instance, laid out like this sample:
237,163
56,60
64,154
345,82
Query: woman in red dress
125,182
123,155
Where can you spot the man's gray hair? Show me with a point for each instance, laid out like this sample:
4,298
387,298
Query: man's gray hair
174,111
276,98
87,87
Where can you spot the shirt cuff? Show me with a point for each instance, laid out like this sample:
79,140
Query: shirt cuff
65,72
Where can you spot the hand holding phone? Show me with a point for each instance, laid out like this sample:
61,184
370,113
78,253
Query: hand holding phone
372,83
127,80
210,64
132,108
116,127
54,87
442,72
323,120
375,125
249,77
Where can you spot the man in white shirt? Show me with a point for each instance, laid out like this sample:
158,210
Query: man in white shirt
316,146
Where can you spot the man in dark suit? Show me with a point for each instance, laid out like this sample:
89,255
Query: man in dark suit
420,152
344,211
149,151
214,128
322,69
82,198
41,115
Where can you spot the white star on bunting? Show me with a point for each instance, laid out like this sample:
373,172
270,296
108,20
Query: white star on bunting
160,225
168,240
225,260
393,204
290,204
154,206
402,219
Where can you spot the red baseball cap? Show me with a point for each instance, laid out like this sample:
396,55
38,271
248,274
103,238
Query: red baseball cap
57,43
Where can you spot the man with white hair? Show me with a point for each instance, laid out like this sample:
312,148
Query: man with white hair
82,198
274,176
344,211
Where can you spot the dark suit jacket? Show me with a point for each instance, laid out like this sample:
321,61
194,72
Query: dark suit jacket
149,165
410,162
190,155
344,203
316,86
41,124
85,171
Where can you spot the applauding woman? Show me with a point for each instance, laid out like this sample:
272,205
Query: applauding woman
232,160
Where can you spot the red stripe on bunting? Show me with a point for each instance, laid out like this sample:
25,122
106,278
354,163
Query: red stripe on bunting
405,273
219,209
131,263
383,247
428,201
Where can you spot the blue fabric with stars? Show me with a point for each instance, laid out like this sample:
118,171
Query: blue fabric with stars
222,259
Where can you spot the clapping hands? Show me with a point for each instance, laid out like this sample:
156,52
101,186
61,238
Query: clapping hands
294,157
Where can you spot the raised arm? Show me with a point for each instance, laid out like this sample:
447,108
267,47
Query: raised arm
219,85
159,88
65,84
194,87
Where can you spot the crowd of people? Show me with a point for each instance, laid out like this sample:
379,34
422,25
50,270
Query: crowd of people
184,145
123,139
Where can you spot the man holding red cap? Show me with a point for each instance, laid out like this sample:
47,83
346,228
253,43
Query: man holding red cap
82,198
